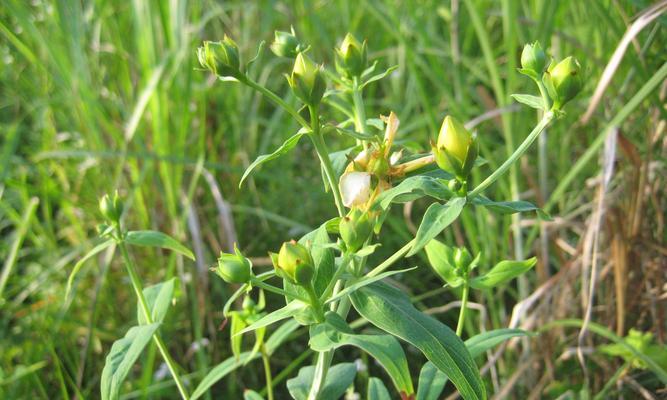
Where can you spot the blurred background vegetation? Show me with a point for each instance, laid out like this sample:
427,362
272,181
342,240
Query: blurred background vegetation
98,95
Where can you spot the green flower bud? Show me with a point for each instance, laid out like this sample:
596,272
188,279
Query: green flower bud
221,58
533,60
295,263
462,260
351,57
234,268
111,208
456,148
355,228
286,44
307,80
378,165
563,81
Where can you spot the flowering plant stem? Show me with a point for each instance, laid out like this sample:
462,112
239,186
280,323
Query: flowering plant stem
359,111
323,154
267,371
136,284
464,307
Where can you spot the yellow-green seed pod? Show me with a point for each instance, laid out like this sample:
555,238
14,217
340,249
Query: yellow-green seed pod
563,81
221,58
355,228
307,80
286,44
456,148
351,57
295,263
234,268
533,60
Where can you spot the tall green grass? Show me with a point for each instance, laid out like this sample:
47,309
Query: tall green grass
104,94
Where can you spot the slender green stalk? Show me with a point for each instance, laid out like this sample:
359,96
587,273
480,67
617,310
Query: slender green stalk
523,147
277,100
392,259
315,301
359,111
270,288
136,284
464,307
323,154
267,372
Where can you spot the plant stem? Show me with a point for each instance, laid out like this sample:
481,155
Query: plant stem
277,100
323,154
464,307
260,284
359,111
315,301
543,92
392,259
136,284
267,372
546,120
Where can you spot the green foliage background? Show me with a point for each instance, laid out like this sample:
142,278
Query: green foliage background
98,95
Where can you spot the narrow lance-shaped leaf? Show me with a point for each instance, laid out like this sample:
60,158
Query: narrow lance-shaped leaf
338,379
413,188
290,310
95,250
436,219
230,364
124,353
529,100
502,272
157,239
391,310
158,298
377,390
284,148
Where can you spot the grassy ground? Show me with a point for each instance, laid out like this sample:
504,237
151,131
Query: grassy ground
99,95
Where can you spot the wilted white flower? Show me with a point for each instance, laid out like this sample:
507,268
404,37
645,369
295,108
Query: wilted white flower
355,187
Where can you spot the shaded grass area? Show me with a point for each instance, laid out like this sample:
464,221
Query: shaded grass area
100,95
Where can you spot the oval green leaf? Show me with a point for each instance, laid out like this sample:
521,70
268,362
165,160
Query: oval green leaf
436,219
157,239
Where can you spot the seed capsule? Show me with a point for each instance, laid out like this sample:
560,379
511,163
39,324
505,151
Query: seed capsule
111,208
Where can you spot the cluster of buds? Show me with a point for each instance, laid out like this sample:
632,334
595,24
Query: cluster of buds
111,207
221,58
456,149
562,80
370,172
294,263
234,268
307,80
351,57
286,44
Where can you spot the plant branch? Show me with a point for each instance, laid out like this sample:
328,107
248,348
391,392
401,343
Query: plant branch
523,147
464,307
136,284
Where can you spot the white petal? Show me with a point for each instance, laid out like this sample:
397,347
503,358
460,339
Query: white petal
355,187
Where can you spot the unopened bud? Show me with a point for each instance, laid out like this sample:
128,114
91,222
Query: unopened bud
221,58
351,57
533,60
295,263
307,80
462,259
111,207
456,148
355,228
234,268
286,44
563,81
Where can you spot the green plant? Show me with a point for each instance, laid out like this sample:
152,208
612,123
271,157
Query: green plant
323,279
